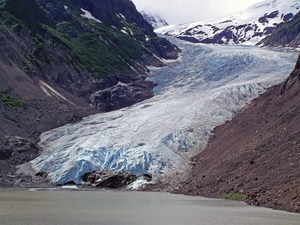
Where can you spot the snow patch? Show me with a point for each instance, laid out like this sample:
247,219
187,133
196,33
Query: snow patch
51,92
120,15
154,19
127,31
69,187
89,15
140,182
245,28
124,31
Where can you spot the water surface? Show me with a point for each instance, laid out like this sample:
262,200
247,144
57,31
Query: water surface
134,208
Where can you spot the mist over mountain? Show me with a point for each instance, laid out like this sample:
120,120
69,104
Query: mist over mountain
155,20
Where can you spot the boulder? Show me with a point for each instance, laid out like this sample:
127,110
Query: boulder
109,179
122,95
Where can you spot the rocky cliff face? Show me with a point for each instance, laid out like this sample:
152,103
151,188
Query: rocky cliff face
293,78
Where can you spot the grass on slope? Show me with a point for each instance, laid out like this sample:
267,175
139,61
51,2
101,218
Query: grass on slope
85,43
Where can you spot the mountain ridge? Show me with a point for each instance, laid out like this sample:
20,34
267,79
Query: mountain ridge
285,35
247,27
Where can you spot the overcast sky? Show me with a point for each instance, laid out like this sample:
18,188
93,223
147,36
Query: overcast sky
181,11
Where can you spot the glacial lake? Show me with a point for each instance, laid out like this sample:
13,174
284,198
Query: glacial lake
135,208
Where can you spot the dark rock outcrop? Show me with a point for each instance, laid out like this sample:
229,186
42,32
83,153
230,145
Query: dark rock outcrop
106,11
122,95
272,15
109,179
293,78
17,150
287,17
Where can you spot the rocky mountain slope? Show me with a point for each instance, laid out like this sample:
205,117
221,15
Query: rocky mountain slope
84,46
62,60
256,156
285,35
247,27
73,54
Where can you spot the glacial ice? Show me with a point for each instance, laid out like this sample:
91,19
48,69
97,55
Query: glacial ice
207,86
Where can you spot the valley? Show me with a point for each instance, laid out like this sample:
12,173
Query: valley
206,87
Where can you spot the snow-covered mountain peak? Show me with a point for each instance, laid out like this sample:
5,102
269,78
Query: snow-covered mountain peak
247,27
154,19
275,3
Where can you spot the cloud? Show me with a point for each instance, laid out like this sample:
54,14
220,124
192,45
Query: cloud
179,11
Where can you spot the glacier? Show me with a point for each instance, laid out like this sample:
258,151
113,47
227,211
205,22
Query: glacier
207,86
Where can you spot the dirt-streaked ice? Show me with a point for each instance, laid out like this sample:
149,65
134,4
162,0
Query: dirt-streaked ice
207,86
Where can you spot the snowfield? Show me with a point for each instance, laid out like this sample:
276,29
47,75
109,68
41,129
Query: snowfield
244,28
207,86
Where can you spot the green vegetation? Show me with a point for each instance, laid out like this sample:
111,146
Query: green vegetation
29,17
9,101
9,20
99,49
38,49
87,51
26,66
235,197
58,35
